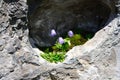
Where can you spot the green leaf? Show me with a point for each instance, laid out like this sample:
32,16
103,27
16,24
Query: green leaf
54,56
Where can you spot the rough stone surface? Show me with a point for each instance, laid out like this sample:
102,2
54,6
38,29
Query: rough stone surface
97,59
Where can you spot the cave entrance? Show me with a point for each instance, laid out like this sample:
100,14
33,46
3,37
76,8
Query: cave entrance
80,16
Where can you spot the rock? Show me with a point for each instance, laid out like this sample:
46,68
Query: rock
97,59
2,43
10,49
1,3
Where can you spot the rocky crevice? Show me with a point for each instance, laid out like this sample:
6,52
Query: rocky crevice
96,59
86,15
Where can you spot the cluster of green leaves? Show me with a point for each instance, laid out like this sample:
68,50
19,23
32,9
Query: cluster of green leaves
62,47
54,56
57,52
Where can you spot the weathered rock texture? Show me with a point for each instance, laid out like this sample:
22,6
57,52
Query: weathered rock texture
97,59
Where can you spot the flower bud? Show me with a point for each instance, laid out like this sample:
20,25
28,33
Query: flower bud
53,33
60,40
70,33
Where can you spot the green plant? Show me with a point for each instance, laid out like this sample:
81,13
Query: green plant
56,53
54,56
62,47
77,39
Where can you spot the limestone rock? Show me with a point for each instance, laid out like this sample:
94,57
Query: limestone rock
97,59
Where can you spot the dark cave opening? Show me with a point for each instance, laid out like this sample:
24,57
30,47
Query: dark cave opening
84,16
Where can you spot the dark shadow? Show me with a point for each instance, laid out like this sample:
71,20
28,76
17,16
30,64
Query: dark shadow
9,1
32,5
89,16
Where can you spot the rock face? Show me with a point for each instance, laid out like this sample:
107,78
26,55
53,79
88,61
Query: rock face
14,40
66,15
97,59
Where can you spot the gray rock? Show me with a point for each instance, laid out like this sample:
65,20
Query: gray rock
1,3
97,59
10,48
2,43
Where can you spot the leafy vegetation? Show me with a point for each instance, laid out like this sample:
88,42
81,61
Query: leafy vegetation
54,56
56,53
